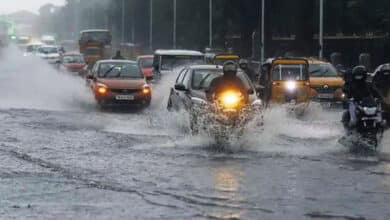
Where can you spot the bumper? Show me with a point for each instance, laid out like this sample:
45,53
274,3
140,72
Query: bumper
112,100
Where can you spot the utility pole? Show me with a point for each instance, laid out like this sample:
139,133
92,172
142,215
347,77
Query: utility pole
211,24
262,57
133,22
151,26
174,23
123,21
321,33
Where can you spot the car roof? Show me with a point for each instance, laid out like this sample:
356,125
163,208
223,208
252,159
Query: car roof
94,30
204,66
145,56
179,52
49,46
73,54
117,61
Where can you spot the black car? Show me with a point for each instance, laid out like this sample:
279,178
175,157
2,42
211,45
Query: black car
193,82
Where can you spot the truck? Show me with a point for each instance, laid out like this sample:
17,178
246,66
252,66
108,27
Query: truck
95,45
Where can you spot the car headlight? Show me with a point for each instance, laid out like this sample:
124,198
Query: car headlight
291,85
101,88
146,90
230,99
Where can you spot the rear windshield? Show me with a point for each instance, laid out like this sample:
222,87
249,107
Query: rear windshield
92,52
48,50
171,62
146,62
97,36
322,70
202,78
120,70
73,59
285,72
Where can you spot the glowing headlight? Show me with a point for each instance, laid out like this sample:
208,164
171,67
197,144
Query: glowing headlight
230,99
102,89
146,90
370,111
291,85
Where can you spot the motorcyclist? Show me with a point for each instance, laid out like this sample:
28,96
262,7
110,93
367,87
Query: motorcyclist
118,56
381,87
244,65
356,90
229,81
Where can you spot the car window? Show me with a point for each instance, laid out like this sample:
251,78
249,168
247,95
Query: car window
201,78
47,50
73,59
146,62
186,78
119,70
181,76
323,70
289,72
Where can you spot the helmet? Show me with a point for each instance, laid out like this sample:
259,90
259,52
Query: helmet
230,68
359,73
384,69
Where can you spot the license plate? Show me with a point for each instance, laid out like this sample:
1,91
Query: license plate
325,96
124,97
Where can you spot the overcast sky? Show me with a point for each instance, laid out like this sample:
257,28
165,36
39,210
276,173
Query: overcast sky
9,6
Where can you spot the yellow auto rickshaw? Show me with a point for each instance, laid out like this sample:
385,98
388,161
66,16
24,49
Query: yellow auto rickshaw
286,81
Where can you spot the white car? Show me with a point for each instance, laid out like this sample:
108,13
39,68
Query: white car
32,49
49,53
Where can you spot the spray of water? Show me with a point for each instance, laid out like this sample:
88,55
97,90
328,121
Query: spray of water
30,83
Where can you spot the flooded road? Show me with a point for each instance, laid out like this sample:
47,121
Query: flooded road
61,158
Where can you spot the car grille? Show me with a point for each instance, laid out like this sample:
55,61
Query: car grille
125,91
322,89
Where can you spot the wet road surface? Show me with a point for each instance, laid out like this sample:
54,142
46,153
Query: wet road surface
61,158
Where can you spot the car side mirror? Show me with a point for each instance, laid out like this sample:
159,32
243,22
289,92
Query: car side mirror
181,87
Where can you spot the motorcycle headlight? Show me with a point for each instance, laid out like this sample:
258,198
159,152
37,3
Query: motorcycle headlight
230,99
370,111
291,85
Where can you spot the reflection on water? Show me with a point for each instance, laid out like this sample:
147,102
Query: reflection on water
387,176
226,179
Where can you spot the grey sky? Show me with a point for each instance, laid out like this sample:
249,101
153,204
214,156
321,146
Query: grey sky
9,6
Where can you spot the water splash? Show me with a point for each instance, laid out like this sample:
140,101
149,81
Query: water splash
30,83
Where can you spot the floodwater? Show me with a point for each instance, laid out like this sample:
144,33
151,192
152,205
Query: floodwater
62,158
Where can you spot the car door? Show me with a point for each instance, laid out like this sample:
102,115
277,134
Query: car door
185,96
94,75
175,94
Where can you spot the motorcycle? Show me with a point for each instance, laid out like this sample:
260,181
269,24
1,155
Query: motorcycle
369,128
226,116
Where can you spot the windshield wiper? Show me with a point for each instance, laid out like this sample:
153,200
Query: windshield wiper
108,71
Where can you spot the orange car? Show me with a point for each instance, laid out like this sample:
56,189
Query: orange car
325,81
146,65
119,82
